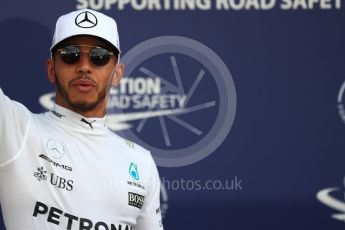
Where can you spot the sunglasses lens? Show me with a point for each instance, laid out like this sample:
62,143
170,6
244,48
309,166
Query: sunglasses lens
99,56
70,54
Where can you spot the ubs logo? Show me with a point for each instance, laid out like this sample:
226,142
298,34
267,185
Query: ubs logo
61,182
86,19
55,180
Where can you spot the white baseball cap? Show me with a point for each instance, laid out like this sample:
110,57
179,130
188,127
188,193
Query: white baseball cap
86,22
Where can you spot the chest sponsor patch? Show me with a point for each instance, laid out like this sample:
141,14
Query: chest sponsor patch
135,200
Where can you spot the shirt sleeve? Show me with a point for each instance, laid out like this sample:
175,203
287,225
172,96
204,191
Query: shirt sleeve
14,122
150,217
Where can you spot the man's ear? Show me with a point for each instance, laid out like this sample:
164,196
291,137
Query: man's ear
50,70
118,73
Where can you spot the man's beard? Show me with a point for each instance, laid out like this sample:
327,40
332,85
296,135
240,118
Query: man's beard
80,106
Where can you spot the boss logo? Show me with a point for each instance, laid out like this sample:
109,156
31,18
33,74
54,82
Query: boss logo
135,200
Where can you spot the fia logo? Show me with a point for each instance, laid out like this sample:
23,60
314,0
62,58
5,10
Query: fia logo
40,174
133,171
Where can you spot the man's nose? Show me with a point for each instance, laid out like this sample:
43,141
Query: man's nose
84,64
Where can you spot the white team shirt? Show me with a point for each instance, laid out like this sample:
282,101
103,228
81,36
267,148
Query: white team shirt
59,170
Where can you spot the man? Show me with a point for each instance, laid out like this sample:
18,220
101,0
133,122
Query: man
64,169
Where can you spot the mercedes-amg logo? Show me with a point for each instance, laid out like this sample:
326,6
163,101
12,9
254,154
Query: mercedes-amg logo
55,148
86,19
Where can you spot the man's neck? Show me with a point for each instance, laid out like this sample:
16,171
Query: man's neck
97,112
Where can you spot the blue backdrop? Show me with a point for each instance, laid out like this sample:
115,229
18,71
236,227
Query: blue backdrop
250,127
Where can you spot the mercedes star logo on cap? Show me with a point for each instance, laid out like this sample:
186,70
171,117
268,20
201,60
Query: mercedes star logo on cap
86,19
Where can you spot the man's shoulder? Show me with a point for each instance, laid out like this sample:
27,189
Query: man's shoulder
130,145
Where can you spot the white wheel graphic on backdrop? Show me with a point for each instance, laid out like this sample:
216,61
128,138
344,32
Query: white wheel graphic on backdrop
199,121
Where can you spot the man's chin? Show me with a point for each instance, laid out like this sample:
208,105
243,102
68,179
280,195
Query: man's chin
83,106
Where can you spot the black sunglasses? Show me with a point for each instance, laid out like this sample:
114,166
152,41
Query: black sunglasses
71,54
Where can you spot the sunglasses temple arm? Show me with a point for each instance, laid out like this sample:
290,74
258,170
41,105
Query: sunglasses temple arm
118,59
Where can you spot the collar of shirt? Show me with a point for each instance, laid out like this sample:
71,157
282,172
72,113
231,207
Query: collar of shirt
75,120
